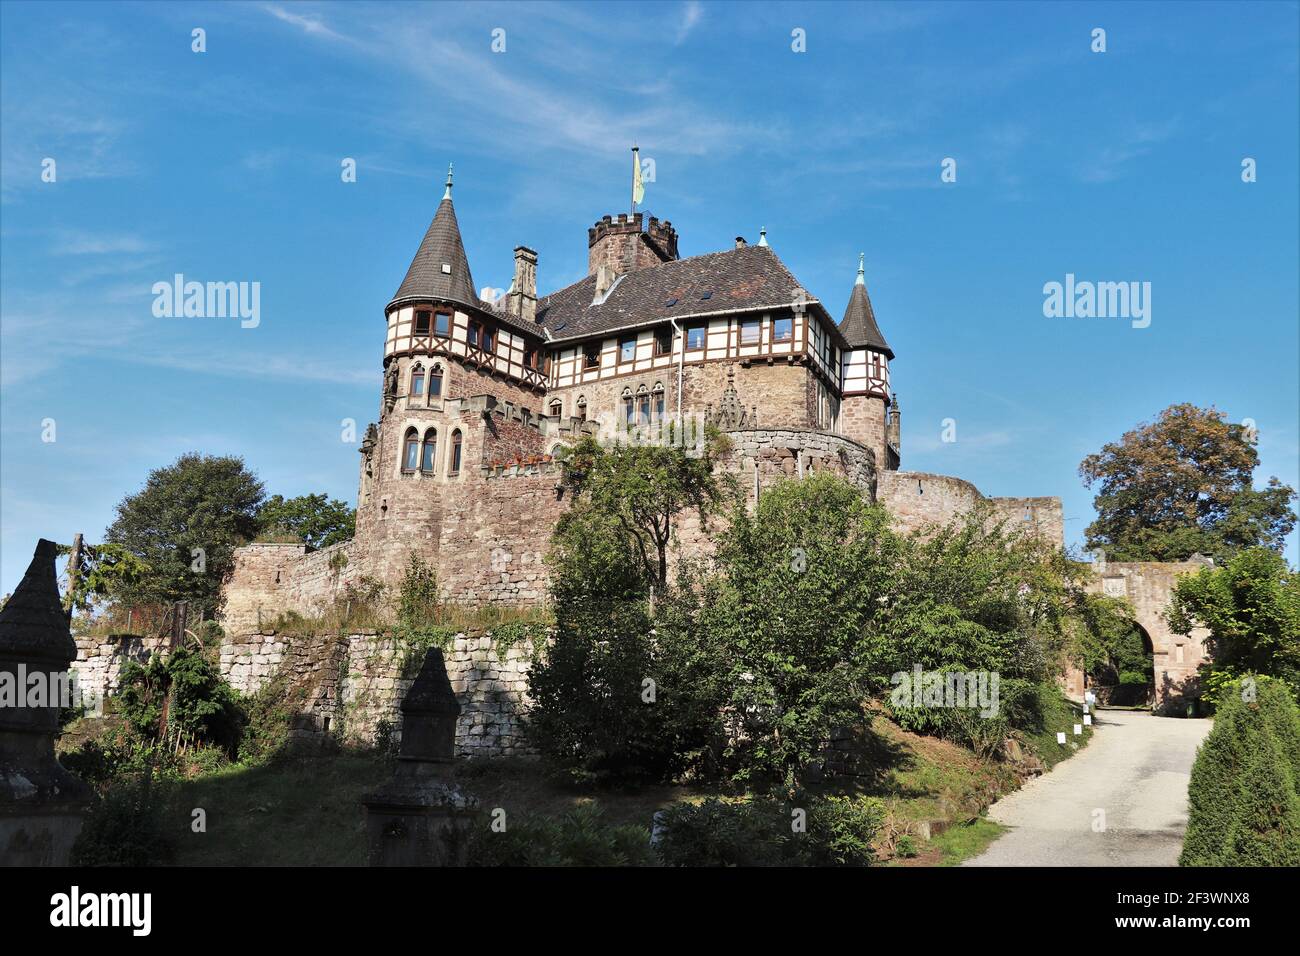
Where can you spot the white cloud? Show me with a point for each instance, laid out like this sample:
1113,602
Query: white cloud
692,14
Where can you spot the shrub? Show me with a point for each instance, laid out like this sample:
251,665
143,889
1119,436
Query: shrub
122,829
835,831
1244,806
203,707
580,837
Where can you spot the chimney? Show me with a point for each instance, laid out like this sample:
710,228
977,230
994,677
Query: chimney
605,277
522,298
740,242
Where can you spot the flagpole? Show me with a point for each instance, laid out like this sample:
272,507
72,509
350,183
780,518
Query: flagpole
636,159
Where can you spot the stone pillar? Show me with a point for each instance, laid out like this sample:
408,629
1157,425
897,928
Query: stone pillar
421,818
41,804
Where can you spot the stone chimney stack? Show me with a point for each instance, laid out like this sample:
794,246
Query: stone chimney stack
605,277
522,301
740,242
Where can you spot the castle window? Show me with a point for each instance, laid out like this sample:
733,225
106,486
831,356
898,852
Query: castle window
783,330
557,409
480,335
411,453
749,332
591,356
422,323
442,324
659,401
429,455
643,407
629,408
455,453
417,382
695,337
663,340
627,349
435,382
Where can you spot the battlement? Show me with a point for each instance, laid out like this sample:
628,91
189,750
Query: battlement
630,241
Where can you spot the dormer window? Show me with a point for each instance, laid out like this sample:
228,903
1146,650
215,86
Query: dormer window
422,321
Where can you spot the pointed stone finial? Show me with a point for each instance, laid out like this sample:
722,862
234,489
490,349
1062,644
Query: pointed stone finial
862,278
762,236
447,194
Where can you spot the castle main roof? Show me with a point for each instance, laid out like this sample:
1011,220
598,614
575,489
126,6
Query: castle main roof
746,279
440,269
859,322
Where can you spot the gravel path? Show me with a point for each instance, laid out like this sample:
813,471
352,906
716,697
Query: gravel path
1120,801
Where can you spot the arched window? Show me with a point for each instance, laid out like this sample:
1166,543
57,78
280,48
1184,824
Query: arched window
582,408
455,453
417,381
411,450
642,406
658,393
629,408
435,382
557,409
429,454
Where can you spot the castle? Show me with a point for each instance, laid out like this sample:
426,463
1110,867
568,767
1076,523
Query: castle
478,394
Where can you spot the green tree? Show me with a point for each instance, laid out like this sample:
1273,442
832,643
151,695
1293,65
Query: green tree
803,583
184,525
644,488
1244,809
1251,607
1182,485
615,697
316,520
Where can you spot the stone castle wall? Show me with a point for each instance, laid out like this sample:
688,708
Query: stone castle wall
351,688
917,499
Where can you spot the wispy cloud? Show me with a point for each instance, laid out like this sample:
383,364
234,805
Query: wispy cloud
310,24
692,14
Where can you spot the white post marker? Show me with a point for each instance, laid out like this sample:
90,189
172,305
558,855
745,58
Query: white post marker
1060,738
1078,729
1087,720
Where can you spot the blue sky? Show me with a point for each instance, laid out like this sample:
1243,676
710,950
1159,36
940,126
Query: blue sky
225,166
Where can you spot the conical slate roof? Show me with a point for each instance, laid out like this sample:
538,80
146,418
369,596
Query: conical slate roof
859,322
440,269
33,622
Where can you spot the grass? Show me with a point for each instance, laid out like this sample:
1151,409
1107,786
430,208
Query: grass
307,811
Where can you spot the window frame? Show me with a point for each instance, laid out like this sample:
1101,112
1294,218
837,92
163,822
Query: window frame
590,352
427,315
454,461
429,452
624,341
410,442
660,347
788,322
438,320
703,329
746,325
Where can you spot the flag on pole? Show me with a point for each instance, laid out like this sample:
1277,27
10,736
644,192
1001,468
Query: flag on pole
638,187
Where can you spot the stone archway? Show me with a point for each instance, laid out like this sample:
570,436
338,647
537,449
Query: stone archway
1148,586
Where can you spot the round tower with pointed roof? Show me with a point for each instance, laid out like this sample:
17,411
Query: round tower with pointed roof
866,409
463,387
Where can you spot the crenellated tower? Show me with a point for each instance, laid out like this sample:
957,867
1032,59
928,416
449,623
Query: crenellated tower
866,408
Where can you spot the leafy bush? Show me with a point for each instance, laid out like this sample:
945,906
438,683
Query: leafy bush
203,707
1244,806
835,831
122,829
580,837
